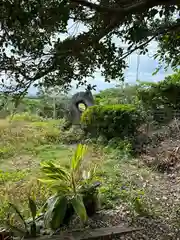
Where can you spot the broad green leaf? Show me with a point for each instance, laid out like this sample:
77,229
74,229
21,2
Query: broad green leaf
19,214
59,186
33,208
78,156
79,208
51,202
62,188
47,181
57,176
59,212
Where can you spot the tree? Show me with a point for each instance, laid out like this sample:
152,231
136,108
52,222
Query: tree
123,94
27,28
161,99
54,102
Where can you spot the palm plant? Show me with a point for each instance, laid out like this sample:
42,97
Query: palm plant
70,187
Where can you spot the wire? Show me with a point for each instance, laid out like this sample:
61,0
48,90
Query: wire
138,64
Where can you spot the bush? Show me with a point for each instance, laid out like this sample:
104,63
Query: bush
111,120
161,98
73,135
25,117
47,130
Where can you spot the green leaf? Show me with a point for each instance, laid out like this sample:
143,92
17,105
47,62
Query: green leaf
19,214
78,156
56,176
47,181
59,212
156,71
79,208
33,208
53,171
50,204
59,186
53,212
62,188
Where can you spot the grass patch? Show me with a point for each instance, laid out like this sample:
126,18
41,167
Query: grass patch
25,141
54,153
7,151
24,144
20,135
24,117
13,176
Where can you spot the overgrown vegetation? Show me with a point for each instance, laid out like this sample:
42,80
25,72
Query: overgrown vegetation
35,164
105,120
162,98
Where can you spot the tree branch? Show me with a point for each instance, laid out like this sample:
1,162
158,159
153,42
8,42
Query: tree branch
175,27
124,10
137,47
85,40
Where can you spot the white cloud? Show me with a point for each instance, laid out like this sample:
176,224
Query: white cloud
147,65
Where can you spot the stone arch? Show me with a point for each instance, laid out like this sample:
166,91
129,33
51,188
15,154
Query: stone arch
85,98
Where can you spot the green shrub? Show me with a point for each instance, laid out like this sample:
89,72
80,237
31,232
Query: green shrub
112,120
72,135
117,143
121,149
25,117
161,98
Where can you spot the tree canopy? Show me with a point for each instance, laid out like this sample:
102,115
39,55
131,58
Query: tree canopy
32,47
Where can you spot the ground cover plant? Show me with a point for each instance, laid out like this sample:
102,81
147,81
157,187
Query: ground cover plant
139,189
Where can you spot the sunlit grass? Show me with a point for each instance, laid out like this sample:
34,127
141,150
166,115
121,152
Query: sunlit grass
24,144
25,141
